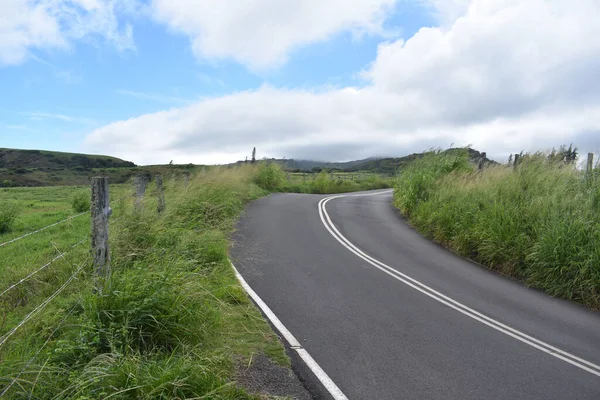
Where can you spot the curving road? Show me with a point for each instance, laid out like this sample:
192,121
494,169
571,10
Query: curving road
387,314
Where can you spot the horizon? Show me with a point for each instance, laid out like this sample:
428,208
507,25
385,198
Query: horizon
153,80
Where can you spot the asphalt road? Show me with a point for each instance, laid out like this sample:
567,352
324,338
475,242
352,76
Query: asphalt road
391,315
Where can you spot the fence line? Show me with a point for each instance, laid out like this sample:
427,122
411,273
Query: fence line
61,255
40,307
51,262
37,353
42,229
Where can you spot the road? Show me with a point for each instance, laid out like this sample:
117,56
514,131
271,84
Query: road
388,314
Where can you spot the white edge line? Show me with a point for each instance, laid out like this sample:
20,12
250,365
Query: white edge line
331,387
542,346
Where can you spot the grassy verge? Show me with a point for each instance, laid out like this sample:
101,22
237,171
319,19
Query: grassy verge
172,322
539,222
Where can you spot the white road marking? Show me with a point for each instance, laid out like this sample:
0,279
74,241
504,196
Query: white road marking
428,291
331,387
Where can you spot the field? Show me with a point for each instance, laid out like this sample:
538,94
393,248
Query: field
538,222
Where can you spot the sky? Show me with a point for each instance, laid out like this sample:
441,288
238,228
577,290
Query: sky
205,81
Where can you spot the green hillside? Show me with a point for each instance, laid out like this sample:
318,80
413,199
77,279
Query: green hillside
48,168
13,158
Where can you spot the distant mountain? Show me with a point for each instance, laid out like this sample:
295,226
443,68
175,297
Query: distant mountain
388,165
13,158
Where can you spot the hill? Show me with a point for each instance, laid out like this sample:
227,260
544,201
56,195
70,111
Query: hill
13,158
392,165
49,168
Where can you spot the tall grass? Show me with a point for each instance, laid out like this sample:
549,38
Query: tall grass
8,214
271,177
172,322
539,222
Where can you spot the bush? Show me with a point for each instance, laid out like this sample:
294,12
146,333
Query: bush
8,215
81,203
270,176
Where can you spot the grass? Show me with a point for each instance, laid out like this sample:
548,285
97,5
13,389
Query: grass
539,222
270,176
171,322
8,214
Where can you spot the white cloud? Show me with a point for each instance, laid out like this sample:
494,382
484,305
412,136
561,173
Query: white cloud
507,75
54,24
261,33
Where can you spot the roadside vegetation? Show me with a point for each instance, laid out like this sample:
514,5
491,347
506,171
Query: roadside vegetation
172,322
270,176
538,221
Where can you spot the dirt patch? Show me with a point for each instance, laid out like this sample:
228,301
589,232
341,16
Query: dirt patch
269,380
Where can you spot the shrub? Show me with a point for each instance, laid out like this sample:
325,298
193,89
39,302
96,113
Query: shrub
270,176
8,215
81,203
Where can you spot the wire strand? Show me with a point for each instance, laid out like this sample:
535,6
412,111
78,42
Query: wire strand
42,229
61,255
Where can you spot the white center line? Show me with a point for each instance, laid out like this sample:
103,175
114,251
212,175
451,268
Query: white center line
428,291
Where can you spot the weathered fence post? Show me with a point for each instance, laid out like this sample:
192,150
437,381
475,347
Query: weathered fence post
101,212
186,178
331,176
517,158
482,158
160,194
139,183
288,176
590,163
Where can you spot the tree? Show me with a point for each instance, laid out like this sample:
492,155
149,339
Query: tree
253,155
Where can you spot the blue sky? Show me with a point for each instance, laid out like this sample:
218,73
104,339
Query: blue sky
138,59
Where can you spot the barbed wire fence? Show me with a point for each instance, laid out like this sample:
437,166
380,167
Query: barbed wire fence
100,253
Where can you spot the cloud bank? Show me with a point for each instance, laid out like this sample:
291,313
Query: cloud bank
501,75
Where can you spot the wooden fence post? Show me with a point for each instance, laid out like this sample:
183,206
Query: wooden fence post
160,194
482,158
517,158
186,178
139,183
101,212
590,163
